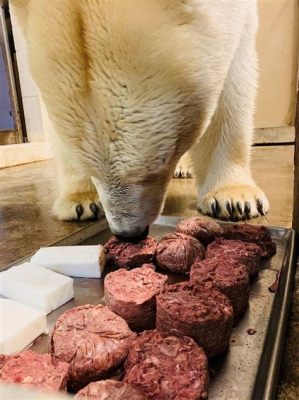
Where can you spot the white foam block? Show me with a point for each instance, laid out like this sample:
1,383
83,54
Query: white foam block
19,326
76,261
36,286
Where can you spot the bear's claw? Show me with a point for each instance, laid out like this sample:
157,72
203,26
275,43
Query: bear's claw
79,211
95,209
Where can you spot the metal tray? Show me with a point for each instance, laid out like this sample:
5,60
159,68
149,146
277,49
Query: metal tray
250,368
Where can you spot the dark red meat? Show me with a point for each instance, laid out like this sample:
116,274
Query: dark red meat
230,277
35,371
202,229
274,287
254,234
200,311
109,390
132,295
167,368
93,339
2,362
130,255
176,252
248,254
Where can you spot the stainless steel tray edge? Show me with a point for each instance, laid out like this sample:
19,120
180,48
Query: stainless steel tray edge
267,377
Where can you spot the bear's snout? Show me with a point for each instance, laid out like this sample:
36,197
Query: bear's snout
133,235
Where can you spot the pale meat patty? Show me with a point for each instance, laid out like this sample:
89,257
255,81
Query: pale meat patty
94,340
132,295
34,371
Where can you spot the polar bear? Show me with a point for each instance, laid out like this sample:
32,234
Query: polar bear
132,85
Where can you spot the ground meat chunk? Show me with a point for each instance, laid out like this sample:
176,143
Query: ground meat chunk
230,277
93,339
254,234
202,229
167,367
3,358
109,390
35,371
132,295
130,255
248,254
176,252
200,311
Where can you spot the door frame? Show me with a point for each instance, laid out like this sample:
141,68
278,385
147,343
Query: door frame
296,170
16,135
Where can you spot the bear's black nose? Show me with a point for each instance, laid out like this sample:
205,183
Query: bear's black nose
132,236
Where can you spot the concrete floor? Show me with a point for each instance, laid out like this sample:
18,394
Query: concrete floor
26,223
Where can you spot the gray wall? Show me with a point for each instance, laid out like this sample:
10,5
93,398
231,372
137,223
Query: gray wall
6,119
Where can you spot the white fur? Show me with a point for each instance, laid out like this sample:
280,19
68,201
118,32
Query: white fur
131,85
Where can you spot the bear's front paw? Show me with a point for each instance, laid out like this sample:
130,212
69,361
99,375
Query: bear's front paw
234,202
78,206
183,168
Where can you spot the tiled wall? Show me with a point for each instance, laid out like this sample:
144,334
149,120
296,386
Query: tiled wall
30,93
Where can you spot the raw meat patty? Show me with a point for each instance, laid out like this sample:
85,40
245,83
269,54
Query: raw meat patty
167,368
130,255
202,229
200,311
32,370
230,277
93,339
248,254
176,252
254,234
132,295
109,390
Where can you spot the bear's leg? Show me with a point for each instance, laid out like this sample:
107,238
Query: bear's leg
59,65
221,160
77,199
